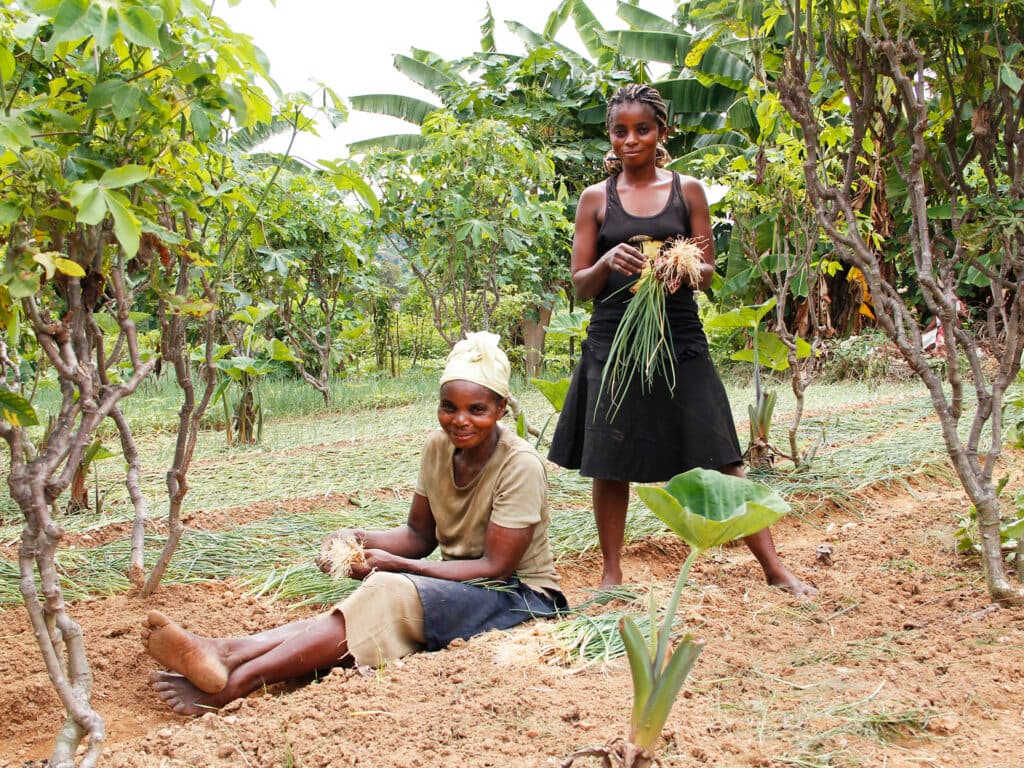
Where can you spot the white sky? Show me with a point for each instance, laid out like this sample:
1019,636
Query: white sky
349,44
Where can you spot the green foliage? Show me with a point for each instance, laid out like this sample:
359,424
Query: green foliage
467,214
706,508
865,357
1013,413
1010,531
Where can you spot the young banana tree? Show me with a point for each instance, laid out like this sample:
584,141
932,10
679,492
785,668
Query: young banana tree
705,509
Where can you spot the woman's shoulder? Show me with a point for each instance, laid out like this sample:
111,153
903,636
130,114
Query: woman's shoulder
595,193
517,449
435,442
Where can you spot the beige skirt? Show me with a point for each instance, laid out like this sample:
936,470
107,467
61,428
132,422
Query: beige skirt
383,619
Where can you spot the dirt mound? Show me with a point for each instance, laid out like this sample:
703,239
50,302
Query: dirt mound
900,661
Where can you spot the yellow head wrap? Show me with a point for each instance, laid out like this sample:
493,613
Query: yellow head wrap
477,358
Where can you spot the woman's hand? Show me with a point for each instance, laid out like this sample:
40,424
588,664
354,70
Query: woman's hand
625,259
323,560
378,560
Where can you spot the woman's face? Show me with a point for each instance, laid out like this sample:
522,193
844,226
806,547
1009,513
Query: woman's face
469,413
634,133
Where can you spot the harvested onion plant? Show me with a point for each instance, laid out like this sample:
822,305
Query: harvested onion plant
642,344
343,553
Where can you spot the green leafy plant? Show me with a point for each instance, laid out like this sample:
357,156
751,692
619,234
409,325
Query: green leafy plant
79,500
255,357
1013,413
1011,532
766,349
705,509
554,392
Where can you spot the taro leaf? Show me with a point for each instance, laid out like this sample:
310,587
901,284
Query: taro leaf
772,352
742,317
554,391
706,508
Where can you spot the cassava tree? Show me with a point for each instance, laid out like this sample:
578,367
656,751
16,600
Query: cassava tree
469,213
113,214
931,93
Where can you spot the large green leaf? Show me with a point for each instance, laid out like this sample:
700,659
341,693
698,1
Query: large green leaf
138,26
127,227
403,107
706,508
88,198
553,391
589,29
642,20
124,176
566,325
726,68
400,141
690,96
667,47
16,410
282,352
772,352
421,73
742,317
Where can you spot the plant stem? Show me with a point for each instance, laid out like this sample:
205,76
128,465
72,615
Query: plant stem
670,612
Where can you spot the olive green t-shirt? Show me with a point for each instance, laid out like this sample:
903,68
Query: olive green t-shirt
511,491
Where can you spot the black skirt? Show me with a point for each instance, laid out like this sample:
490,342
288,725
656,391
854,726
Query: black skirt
455,609
656,434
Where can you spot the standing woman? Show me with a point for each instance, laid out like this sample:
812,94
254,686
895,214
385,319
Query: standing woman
655,434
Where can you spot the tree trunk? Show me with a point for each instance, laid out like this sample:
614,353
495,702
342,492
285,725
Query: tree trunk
533,340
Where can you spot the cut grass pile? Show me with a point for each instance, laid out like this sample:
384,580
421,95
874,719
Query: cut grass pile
273,555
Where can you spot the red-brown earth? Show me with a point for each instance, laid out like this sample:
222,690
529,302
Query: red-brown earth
901,660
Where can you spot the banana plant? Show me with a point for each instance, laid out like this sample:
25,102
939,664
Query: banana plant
705,509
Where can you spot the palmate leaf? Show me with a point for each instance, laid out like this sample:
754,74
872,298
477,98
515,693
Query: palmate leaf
742,317
706,508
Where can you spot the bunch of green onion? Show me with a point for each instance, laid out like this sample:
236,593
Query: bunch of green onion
643,341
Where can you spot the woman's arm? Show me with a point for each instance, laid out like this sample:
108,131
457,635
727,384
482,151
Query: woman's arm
589,271
503,549
700,227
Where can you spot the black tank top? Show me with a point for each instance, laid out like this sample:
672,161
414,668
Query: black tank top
618,227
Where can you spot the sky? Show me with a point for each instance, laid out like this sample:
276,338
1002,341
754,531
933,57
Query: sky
349,46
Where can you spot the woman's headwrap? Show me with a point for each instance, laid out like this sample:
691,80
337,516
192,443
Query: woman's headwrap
478,358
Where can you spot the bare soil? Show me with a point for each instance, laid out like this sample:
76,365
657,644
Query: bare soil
900,661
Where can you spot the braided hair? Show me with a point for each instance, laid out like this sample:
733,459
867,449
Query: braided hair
637,93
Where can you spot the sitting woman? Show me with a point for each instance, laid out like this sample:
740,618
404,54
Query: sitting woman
481,496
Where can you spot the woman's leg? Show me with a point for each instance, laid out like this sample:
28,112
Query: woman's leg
762,546
285,653
610,497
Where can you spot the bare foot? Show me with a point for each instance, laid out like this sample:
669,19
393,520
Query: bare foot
787,580
183,697
195,657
